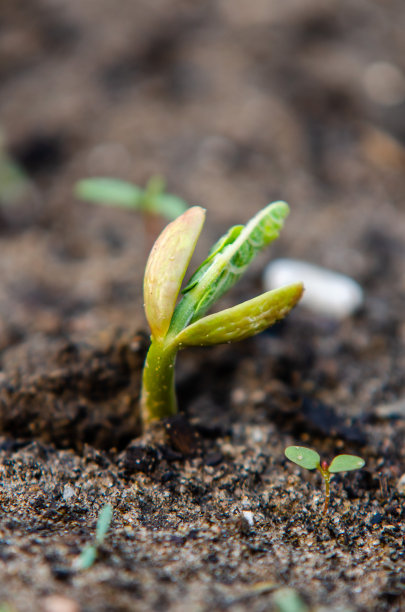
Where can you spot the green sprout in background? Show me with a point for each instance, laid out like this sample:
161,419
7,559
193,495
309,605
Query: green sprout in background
287,600
89,553
174,326
114,192
310,459
14,183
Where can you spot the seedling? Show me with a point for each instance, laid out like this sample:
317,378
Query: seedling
14,184
310,459
288,600
114,192
174,326
90,551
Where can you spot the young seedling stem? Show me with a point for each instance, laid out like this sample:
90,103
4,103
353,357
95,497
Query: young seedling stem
310,459
176,325
323,469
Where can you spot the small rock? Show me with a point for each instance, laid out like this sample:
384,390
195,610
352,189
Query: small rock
68,492
58,603
401,485
376,519
138,459
246,521
392,410
182,435
326,292
213,459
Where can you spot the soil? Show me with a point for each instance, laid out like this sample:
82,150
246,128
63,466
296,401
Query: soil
236,104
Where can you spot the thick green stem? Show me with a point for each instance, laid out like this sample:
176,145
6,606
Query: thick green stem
158,399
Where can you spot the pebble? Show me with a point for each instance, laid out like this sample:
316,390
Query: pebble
326,292
246,521
58,603
68,492
393,410
401,485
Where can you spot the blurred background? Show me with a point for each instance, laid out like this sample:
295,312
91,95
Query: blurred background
235,103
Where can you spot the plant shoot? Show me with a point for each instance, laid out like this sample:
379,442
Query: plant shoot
114,192
89,553
310,459
177,324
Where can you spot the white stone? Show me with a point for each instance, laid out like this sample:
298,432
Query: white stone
248,517
326,292
68,492
401,485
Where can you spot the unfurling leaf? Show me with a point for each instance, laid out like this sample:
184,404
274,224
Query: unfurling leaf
166,267
345,463
243,320
302,456
227,262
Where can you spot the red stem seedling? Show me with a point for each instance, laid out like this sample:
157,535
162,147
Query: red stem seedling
310,460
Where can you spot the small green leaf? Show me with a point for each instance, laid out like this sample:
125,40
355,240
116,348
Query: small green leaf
345,463
166,267
168,205
288,600
86,557
14,183
242,321
103,522
112,192
302,456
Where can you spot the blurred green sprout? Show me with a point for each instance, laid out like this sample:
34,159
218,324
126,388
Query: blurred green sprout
14,183
152,200
287,600
89,553
175,326
310,460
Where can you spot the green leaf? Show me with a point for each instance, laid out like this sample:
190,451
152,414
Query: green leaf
103,522
345,463
168,205
166,267
288,600
112,192
242,321
86,557
14,183
302,456
227,262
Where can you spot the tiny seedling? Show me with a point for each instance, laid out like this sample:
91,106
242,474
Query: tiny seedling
114,192
89,553
14,184
287,600
310,459
174,326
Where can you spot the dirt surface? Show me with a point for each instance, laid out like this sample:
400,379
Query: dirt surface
237,104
